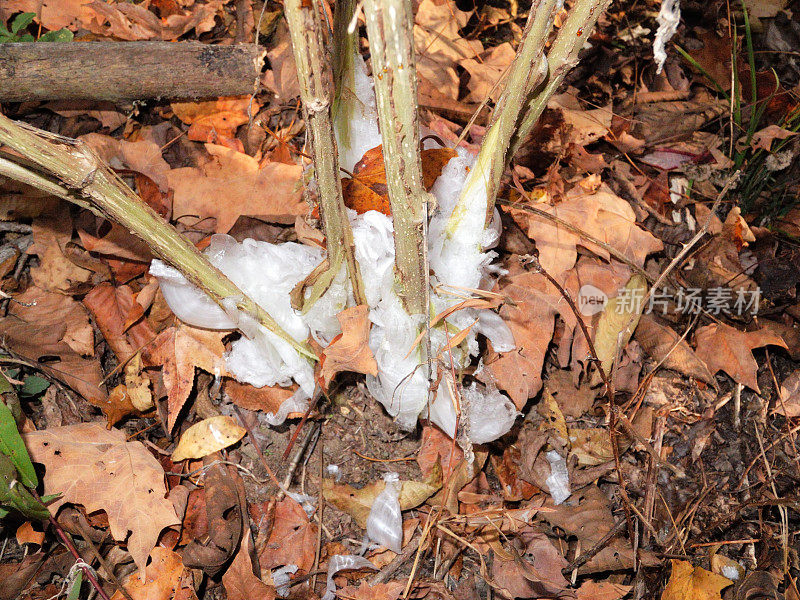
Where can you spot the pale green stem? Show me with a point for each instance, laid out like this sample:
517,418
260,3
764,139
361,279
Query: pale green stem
527,69
389,27
563,56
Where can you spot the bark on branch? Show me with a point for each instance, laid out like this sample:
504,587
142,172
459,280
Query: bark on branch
124,71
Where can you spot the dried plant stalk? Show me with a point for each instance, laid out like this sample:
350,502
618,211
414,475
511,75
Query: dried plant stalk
315,76
77,174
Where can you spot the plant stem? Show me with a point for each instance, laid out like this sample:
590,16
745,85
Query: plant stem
87,181
344,50
316,92
526,71
389,27
563,56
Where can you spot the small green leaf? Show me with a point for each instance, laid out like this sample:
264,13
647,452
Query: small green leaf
13,447
3,512
25,38
5,384
62,35
75,592
33,386
20,22
15,495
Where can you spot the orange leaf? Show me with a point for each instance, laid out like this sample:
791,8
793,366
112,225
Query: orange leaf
180,349
350,350
688,582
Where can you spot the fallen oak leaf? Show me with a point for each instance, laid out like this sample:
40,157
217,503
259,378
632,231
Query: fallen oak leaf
762,140
240,582
664,344
349,351
98,468
271,192
724,348
688,582
180,349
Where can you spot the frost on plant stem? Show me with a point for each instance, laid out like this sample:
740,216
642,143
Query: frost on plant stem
668,19
460,261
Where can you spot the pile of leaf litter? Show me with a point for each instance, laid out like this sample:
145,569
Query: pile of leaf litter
630,175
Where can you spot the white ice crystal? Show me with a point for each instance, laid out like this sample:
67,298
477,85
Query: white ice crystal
669,17
459,262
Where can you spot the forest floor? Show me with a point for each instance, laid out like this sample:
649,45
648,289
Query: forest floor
686,486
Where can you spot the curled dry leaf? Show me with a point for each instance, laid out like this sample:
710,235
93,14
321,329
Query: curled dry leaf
531,319
688,582
788,402
208,436
180,349
51,234
618,321
724,348
96,467
216,121
292,541
763,139
239,580
358,502
662,343
349,351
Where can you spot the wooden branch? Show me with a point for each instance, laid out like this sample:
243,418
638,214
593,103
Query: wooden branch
84,179
389,27
124,71
315,76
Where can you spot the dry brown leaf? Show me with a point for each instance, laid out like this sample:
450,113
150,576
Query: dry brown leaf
216,121
584,126
688,582
239,580
763,139
382,591
165,578
724,348
51,233
96,467
282,77
788,402
531,320
26,534
602,213
35,329
208,436
292,541
602,590
572,401
486,72
141,156
349,351
118,316
661,343
231,184
537,574
267,399
180,349
440,47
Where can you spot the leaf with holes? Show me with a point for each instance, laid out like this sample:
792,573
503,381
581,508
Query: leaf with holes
98,468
